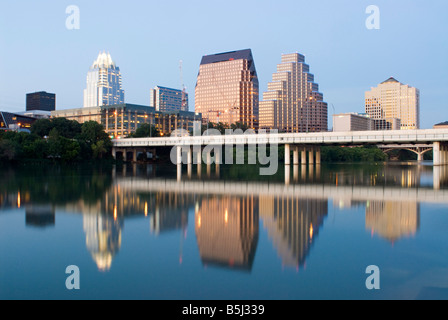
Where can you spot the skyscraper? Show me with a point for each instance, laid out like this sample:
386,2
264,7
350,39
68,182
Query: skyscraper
41,101
227,88
104,86
168,100
293,102
392,99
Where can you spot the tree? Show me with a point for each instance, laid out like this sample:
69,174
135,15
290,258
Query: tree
42,127
146,130
54,144
8,150
93,135
66,128
99,149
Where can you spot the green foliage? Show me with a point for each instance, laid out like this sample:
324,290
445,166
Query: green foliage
146,130
222,127
58,139
66,128
359,154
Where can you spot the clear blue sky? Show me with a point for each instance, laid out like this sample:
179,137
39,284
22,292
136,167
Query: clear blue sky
147,39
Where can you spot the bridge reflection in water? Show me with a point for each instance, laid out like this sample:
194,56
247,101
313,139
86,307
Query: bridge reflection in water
229,215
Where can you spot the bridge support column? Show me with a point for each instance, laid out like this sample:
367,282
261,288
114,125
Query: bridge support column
303,156
420,157
134,155
318,156
199,161
114,153
311,156
437,154
296,155
444,153
189,156
287,154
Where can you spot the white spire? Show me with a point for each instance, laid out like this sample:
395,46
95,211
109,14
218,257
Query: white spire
103,61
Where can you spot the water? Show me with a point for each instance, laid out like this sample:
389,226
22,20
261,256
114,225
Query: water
150,232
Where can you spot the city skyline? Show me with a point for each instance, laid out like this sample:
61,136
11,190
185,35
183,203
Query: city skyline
349,58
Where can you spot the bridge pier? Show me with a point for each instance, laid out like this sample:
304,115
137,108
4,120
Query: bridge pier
296,155
287,154
303,156
311,156
440,154
318,156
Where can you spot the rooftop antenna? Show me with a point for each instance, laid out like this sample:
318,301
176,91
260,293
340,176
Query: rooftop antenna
184,89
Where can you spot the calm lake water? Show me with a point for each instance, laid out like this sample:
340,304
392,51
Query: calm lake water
145,232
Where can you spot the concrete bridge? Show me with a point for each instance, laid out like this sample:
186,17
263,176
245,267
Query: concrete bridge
305,146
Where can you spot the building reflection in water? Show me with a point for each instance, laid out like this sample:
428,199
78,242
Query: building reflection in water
393,220
292,225
227,212
103,238
170,212
227,231
40,216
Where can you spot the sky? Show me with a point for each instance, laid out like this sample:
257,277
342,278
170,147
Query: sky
148,39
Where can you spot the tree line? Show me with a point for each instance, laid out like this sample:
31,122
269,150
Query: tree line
56,139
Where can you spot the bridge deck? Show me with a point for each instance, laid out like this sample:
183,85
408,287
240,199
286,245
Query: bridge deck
322,138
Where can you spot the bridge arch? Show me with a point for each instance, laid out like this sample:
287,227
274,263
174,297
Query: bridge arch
420,151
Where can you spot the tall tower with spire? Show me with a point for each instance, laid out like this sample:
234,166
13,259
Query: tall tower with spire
104,87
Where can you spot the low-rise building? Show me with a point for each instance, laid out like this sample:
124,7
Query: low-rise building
14,121
124,119
362,122
442,125
352,122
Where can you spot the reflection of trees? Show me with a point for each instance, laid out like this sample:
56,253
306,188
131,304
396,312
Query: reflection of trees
227,231
292,225
56,185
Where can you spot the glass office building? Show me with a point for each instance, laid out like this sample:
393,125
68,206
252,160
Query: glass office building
168,100
293,102
104,86
124,119
392,99
41,101
227,88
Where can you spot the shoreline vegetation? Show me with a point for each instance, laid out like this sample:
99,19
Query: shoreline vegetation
60,140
